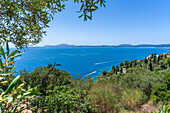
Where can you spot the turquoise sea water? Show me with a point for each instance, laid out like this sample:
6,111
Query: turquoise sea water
83,61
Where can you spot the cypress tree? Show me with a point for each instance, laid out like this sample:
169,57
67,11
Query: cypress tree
135,62
158,59
121,64
121,70
130,64
150,66
154,58
113,69
126,62
117,68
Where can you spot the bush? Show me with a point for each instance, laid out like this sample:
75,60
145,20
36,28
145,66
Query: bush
133,99
104,99
44,77
64,99
140,79
161,92
105,73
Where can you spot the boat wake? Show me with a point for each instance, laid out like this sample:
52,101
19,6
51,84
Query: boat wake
101,63
105,62
90,74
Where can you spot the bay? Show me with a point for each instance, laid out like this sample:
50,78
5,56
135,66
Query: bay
84,61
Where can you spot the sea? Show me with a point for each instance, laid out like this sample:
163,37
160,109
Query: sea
82,61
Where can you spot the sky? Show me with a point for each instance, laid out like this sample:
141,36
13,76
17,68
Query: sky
121,22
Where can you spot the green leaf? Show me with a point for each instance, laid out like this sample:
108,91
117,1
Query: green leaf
16,55
167,108
13,53
12,85
7,48
2,52
0,63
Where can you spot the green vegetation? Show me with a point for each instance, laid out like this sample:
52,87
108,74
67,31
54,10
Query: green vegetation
114,91
12,94
23,21
164,110
64,99
47,89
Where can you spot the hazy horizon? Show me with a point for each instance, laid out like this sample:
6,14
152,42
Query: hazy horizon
12,46
121,22
96,45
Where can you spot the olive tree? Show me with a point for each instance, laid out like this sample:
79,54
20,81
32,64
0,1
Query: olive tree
22,22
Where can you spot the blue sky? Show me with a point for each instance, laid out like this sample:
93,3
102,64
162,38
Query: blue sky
122,21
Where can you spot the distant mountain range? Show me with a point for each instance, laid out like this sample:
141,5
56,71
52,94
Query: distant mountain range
121,45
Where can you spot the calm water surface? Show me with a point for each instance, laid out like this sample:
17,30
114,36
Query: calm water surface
83,61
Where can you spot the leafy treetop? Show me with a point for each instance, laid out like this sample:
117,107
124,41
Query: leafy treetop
22,22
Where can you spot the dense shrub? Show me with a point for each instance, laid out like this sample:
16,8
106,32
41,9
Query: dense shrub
44,77
143,81
133,99
161,92
64,99
104,99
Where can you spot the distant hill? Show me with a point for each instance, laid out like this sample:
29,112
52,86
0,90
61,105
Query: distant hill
59,46
125,45
121,45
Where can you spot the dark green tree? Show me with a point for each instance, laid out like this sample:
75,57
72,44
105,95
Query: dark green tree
121,70
135,62
113,68
131,64
116,72
117,68
154,58
145,60
161,57
46,78
126,62
150,66
121,64
158,59
105,72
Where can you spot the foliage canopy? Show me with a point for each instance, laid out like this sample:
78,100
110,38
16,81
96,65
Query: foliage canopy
22,22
